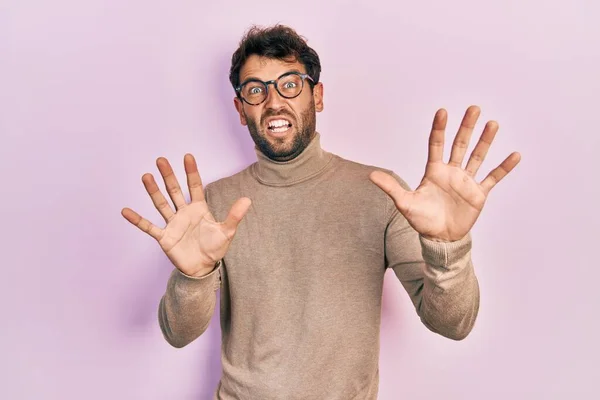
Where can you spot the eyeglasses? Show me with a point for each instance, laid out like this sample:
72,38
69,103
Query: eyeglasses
288,85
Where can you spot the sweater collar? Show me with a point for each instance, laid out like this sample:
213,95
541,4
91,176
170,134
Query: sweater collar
312,161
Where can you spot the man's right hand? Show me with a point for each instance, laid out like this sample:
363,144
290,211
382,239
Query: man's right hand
192,239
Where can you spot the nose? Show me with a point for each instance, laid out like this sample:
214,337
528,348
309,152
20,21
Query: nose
274,100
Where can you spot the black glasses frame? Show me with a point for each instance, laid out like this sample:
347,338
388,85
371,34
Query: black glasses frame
274,82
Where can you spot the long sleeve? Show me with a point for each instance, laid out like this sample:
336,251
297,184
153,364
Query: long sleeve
187,306
439,277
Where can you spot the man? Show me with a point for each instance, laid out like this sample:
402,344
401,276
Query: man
306,237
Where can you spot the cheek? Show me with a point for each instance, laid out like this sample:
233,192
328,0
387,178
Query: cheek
304,110
302,106
252,116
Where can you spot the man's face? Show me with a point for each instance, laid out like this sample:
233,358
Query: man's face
281,128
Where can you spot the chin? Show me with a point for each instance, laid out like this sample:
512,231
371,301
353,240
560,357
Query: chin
282,149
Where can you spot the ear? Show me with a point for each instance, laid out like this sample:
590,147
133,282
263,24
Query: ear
239,106
318,96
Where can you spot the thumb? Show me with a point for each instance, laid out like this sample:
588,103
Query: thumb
391,186
236,214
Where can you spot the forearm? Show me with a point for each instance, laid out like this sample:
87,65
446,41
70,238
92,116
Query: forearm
187,307
449,297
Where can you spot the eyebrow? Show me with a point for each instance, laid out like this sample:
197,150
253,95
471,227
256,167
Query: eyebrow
258,79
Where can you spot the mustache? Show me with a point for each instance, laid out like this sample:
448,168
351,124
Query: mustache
269,114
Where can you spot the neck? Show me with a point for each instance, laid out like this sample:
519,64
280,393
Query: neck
309,163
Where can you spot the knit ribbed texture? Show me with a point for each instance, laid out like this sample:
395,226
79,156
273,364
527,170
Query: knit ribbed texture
301,284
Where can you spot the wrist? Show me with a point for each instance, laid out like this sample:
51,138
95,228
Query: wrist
444,238
436,239
206,269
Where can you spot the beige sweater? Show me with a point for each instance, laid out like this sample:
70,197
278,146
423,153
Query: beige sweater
301,284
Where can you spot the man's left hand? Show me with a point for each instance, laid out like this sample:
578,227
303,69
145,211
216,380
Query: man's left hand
448,200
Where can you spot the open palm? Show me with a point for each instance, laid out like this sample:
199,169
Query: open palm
448,200
192,239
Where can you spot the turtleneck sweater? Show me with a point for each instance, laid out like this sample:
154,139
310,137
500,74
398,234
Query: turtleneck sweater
302,282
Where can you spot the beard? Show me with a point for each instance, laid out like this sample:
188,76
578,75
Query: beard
277,149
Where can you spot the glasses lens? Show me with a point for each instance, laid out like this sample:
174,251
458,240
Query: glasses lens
254,92
290,85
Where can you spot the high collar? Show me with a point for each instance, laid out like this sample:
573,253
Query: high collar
312,161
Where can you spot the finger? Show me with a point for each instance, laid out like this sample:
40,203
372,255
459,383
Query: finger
436,137
142,223
236,213
461,141
500,172
171,183
482,147
193,178
159,201
392,187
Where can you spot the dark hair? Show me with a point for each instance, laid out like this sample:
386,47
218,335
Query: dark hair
280,42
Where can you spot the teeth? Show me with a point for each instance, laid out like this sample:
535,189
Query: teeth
281,129
278,123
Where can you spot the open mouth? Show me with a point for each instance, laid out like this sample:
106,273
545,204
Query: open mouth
279,125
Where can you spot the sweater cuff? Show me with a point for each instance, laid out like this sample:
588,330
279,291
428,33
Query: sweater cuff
194,283
445,254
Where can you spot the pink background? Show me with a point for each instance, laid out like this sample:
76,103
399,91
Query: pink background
92,92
